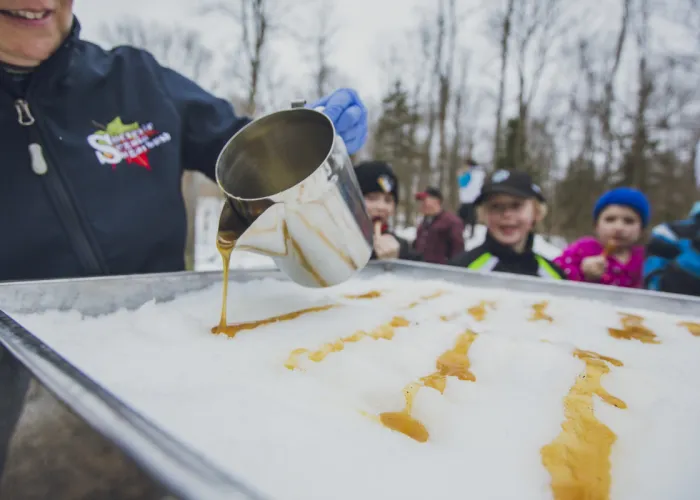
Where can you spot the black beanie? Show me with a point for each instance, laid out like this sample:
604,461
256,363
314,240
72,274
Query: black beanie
377,176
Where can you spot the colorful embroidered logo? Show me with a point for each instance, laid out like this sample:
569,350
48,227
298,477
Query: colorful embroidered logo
118,141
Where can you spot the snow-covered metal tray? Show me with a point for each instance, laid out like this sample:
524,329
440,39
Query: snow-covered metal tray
181,471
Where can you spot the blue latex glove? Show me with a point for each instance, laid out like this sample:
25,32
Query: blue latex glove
348,114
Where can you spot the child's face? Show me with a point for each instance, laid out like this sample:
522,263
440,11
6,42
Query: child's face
618,226
509,219
380,206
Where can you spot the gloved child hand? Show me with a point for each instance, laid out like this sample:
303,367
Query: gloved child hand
349,115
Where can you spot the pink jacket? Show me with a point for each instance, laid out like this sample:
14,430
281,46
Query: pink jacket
626,275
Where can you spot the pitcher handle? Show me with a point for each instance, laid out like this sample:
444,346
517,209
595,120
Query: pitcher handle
302,103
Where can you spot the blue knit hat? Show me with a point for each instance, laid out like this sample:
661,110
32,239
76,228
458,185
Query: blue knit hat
627,197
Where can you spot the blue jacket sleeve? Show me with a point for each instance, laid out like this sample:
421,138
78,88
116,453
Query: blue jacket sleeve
653,268
663,247
208,122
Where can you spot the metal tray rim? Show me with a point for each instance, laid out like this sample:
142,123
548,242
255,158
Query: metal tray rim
166,459
173,464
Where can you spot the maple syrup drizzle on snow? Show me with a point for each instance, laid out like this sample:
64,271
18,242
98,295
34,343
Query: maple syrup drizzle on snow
383,331
451,363
633,329
372,294
225,243
578,460
233,329
539,314
693,328
424,298
478,312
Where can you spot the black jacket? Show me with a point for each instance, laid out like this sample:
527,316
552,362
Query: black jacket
673,257
493,256
92,159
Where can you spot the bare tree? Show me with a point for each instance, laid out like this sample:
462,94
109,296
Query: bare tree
635,168
177,47
606,106
431,41
502,22
407,60
537,28
463,134
448,16
322,44
256,21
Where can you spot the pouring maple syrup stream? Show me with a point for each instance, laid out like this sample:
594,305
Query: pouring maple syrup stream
225,243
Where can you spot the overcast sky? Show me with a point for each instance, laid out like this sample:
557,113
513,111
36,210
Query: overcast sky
367,30
366,26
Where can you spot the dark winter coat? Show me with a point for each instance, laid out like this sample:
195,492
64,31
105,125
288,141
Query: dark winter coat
493,256
440,238
93,152
673,257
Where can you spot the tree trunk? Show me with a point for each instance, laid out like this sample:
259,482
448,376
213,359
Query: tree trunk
505,37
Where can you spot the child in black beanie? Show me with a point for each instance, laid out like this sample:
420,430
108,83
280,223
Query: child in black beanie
380,188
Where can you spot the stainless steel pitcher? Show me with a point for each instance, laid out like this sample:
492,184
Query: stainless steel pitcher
292,194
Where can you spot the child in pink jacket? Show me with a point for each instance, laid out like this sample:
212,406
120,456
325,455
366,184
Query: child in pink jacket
613,256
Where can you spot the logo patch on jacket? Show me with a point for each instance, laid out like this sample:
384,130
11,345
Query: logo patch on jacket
130,142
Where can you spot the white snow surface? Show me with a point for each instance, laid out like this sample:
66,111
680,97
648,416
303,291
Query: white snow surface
302,434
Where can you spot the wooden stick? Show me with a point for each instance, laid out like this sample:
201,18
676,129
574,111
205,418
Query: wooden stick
377,229
609,248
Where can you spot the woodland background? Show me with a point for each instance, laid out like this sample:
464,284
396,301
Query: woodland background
584,95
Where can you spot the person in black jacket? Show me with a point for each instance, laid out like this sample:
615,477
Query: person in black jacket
510,205
380,188
673,256
94,144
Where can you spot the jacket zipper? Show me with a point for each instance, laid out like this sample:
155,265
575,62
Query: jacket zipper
58,192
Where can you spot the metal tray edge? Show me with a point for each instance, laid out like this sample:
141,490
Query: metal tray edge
174,465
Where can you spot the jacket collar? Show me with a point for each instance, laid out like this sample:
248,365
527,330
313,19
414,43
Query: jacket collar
507,253
429,219
53,69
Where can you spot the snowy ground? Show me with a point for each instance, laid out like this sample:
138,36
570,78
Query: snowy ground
207,257
307,427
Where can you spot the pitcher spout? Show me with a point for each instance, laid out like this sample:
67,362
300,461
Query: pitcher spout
231,226
254,227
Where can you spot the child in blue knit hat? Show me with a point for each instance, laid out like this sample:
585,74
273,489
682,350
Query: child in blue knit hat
614,256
